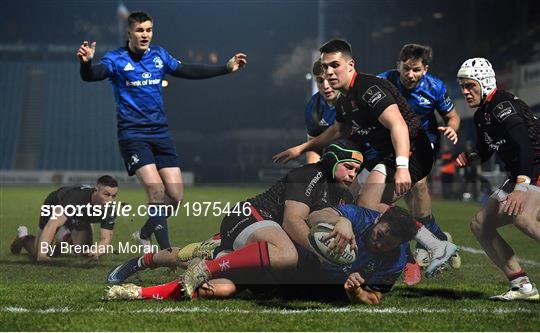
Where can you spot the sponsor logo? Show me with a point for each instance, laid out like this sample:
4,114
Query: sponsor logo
323,123
158,62
423,101
504,110
128,67
491,143
134,159
146,75
373,95
312,183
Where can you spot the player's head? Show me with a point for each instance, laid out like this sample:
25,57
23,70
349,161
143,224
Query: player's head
140,30
414,60
338,63
105,190
343,160
393,227
323,86
476,79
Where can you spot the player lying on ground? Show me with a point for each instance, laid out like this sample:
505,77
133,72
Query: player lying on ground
136,71
505,126
372,110
426,94
275,217
381,241
54,216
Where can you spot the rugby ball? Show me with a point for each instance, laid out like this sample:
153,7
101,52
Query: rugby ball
321,246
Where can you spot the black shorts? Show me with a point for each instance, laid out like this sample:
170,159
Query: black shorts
140,152
233,224
421,160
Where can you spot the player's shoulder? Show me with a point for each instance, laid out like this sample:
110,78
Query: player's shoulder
313,99
309,174
358,215
118,52
431,82
503,104
391,75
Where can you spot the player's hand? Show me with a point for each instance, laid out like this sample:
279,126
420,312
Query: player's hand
94,256
402,181
86,52
343,234
356,294
355,280
43,258
449,133
287,155
238,61
462,160
514,203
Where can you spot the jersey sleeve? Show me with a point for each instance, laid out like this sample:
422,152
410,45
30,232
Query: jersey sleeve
108,61
310,116
304,185
506,114
444,102
170,63
384,75
376,97
385,276
108,223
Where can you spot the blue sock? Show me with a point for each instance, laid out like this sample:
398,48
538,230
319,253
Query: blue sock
431,225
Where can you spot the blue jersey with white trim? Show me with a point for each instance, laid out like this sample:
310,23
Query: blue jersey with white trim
380,270
429,95
137,89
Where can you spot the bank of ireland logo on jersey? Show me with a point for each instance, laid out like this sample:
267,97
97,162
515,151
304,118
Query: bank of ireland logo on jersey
373,95
158,62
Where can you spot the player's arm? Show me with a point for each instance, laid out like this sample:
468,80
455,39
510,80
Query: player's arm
357,294
331,134
343,233
88,71
452,122
392,119
311,156
105,239
47,236
294,224
515,201
202,71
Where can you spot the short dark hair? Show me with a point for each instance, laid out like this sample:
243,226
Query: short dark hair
138,17
317,69
401,223
416,51
337,45
107,180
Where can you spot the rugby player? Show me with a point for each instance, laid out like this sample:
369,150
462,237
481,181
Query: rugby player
382,241
426,94
263,237
373,110
136,71
54,215
507,128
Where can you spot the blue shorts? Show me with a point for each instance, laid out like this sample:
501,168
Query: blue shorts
140,152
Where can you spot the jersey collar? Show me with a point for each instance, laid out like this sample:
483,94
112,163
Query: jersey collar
353,80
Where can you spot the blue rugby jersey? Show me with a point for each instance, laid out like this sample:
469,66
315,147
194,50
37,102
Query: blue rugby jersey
428,95
380,270
138,91
319,115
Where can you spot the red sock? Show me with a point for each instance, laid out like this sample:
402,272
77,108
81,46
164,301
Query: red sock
216,236
254,255
516,275
148,259
170,290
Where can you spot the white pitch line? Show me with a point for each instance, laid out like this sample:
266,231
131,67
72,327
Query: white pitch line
478,251
368,310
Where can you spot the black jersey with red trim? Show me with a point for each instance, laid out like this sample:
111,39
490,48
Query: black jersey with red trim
310,184
80,196
362,106
507,127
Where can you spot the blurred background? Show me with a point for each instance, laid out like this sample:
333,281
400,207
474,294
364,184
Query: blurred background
55,127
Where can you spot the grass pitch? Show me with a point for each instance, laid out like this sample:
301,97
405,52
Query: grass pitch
66,296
